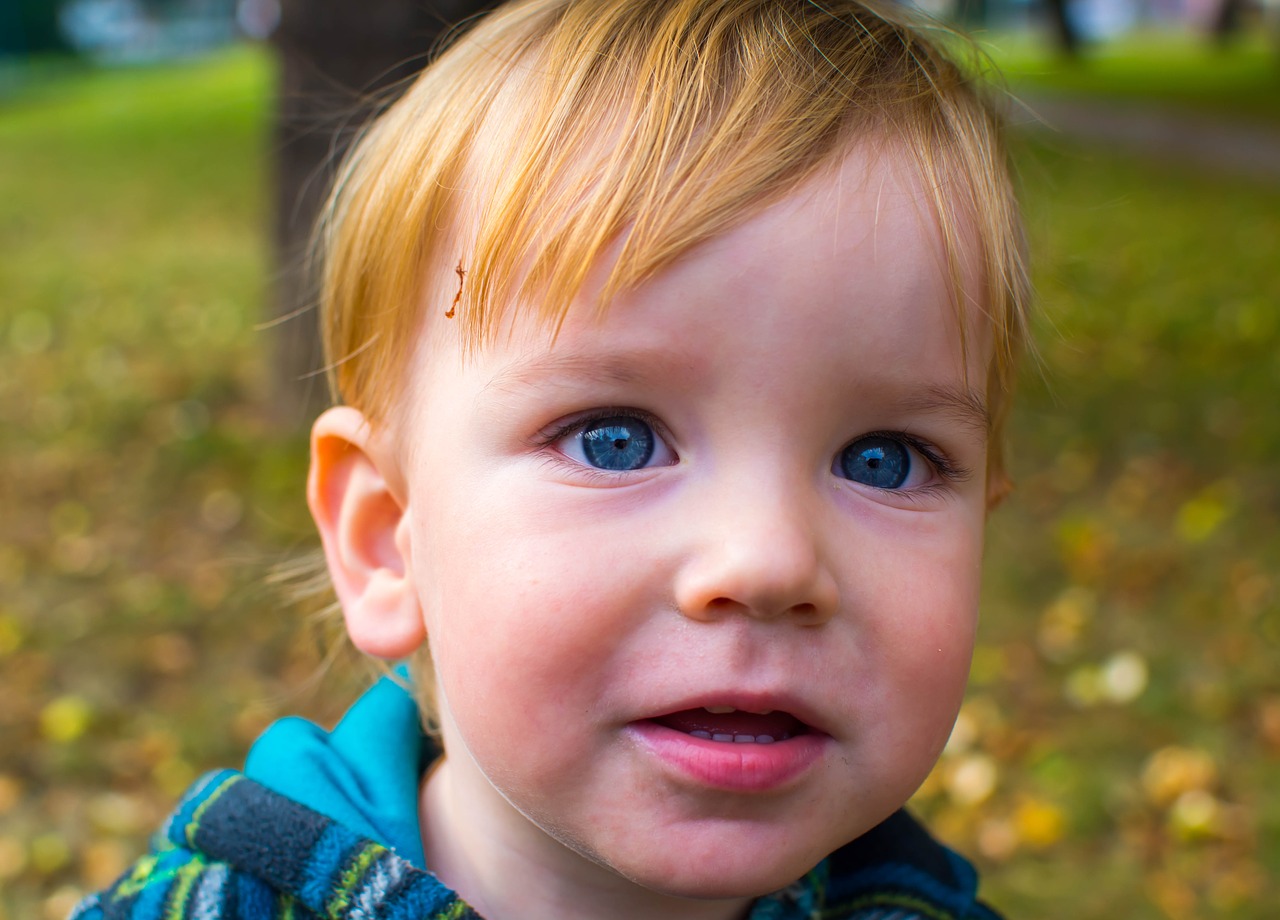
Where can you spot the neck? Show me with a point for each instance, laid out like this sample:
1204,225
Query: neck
515,871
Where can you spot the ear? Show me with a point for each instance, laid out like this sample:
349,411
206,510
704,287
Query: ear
365,531
999,486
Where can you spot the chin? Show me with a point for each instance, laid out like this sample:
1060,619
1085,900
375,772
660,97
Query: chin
727,872
709,883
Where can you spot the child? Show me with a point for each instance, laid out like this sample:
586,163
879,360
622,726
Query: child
673,341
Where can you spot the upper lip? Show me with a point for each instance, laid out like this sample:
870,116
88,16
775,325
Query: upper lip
747,701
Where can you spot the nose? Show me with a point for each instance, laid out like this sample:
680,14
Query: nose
758,554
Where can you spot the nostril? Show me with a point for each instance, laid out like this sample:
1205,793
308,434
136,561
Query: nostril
802,611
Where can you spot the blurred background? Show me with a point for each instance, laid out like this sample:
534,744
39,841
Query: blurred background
160,160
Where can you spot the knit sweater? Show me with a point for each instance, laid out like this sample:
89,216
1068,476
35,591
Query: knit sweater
324,825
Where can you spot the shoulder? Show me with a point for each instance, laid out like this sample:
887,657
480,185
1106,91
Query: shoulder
897,870
177,884
235,850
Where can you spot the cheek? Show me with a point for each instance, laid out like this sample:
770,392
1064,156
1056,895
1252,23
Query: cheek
525,626
923,628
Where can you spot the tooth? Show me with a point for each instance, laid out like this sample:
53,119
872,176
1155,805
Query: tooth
720,736
744,739
764,739
719,710
699,733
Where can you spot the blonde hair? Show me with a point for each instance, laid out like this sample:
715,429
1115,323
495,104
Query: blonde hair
557,128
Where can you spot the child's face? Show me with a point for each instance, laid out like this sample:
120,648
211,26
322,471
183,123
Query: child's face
757,483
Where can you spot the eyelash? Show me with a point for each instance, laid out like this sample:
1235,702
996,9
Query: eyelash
944,465
561,429
948,471
549,436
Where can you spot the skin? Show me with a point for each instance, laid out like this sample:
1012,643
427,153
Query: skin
568,606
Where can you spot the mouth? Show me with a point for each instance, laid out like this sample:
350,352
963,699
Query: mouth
752,750
728,725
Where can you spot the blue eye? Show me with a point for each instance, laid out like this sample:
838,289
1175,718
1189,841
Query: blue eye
884,463
620,443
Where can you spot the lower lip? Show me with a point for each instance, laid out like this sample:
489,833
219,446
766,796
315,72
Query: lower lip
728,765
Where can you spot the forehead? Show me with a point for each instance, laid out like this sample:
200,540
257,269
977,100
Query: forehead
864,227
854,254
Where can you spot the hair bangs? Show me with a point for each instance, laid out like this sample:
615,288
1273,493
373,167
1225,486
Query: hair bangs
559,139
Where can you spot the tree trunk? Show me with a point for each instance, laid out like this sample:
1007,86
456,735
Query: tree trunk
339,62
972,14
1064,30
1228,20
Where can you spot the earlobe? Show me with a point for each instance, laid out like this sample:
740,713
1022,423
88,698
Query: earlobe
364,527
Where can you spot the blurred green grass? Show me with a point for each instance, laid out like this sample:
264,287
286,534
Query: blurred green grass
1128,664
1118,753
1168,69
146,490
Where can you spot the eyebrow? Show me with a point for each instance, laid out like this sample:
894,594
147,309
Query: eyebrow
549,368
962,404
